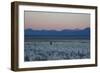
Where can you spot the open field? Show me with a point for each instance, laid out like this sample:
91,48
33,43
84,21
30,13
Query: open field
43,50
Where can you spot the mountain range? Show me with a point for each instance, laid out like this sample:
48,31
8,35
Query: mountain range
55,33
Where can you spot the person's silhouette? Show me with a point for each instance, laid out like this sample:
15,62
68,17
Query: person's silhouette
50,42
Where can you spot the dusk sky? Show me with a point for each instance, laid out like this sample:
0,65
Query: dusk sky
56,21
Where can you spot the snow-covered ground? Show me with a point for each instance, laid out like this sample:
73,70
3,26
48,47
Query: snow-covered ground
36,50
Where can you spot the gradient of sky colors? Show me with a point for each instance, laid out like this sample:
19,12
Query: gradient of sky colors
55,21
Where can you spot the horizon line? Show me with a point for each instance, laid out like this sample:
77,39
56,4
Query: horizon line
56,29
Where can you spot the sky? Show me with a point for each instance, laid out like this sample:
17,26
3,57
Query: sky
55,21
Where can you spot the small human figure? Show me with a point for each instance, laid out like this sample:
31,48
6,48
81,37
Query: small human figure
50,42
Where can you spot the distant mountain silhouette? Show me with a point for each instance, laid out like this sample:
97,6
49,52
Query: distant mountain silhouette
66,33
85,31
